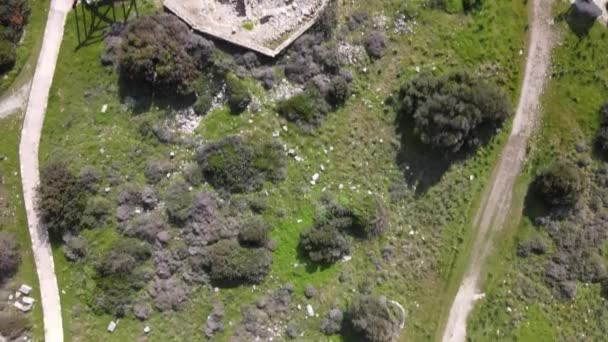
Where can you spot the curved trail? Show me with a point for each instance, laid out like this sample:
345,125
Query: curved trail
28,155
492,213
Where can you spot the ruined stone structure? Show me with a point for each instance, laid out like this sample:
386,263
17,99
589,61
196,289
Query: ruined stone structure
265,26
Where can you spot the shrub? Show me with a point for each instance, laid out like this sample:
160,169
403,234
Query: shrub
332,324
235,166
328,20
60,198
118,277
230,264
97,212
156,170
8,55
602,136
254,232
14,15
375,44
13,325
452,111
560,185
324,244
154,52
238,96
178,201
74,247
374,318
307,109
90,178
339,91
10,258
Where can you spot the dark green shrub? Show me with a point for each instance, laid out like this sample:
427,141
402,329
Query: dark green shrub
61,199
307,109
324,244
375,44
156,170
254,232
97,212
119,276
602,136
452,111
154,52
230,264
178,201
339,91
14,15
560,185
235,166
8,55
10,258
238,96
74,247
374,318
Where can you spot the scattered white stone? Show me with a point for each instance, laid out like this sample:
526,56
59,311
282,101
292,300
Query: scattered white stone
112,326
63,292
104,108
347,258
412,232
341,186
25,289
315,177
299,307
322,167
146,329
216,289
365,70
509,309
299,221
17,295
285,128
23,307
172,154
310,311
106,190
471,178
521,52
298,158
276,133
10,297
418,69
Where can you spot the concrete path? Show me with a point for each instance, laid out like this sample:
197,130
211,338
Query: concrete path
28,154
496,204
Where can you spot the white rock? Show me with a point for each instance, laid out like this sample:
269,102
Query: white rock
347,258
471,178
310,311
172,154
104,108
10,297
146,329
315,177
106,190
28,300
23,307
285,128
25,289
418,69
322,167
216,289
340,186
112,326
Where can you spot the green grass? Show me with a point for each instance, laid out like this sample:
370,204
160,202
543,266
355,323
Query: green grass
12,216
578,86
362,148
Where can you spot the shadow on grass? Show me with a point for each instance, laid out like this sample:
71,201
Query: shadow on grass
141,97
423,165
579,23
534,206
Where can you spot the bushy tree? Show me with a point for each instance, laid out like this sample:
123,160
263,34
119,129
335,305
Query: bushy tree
602,135
154,51
324,243
307,109
14,15
375,44
254,231
61,199
235,166
374,318
453,111
230,264
560,184
178,201
238,96
10,258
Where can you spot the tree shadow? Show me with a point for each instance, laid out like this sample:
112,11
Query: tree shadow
141,97
423,165
93,20
534,206
579,21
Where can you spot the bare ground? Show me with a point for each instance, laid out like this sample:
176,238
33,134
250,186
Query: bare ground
492,214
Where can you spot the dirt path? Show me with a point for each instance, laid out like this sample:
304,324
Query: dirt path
494,208
28,154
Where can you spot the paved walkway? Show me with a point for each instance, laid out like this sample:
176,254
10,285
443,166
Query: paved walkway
28,154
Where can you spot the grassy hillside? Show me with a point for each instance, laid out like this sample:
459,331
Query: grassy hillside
429,202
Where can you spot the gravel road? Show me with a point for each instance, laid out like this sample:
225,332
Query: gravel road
496,203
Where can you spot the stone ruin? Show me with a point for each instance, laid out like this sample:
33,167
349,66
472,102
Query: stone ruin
265,26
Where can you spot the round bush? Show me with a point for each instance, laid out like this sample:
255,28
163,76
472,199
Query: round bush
452,111
230,264
238,96
325,244
374,318
254,232
560,185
